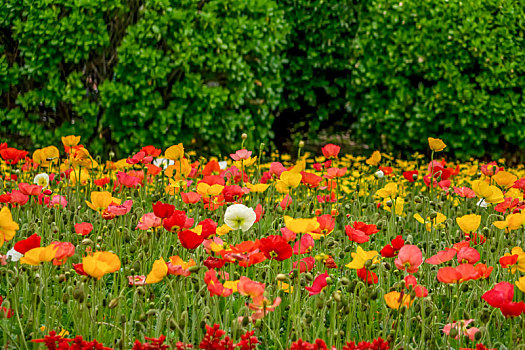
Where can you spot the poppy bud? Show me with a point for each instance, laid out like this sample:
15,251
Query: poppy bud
152,312
65,298
86,241
368,263
329,280
389,203
301,144
244,136
337,296
478,335
142,318
194,268
281,277
308,276
113,303
453,332
245,321
345,281
414,176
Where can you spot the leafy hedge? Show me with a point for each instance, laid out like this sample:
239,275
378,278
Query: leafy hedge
129,72
441,67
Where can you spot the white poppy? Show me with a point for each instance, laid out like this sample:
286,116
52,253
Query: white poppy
239,216
163,162
223,164
380,174
482,204
15,256
42,179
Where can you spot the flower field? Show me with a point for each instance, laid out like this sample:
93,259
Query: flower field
168,250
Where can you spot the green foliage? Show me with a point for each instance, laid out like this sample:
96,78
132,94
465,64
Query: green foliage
451,69
127,73
123,73
318,67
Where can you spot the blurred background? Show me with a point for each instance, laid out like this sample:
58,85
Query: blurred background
375,74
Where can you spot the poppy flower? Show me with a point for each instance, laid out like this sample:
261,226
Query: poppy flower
504,179
468,255
395,300
190,197
250,288
127,180
27,244
442,256
369,277
461,327
360,257
38,255
464,192
174,152
301,225
100,263
511,222
490,194
356,235
118,210
8,227
147,221
137,280
101,200
275,247
214,286
436,145
391,250
163,210
177,266
101,182
318,285
458,274
411,176
178,219
388,191
483,271
287,181
191,239
12,155
239,216
326,226
158,271
330,150
304,245
411,283
409,258
286,202
310,179
241,154
374,159
63,251
305,264
232,193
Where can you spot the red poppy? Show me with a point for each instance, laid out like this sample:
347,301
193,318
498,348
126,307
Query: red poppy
232,193
102,182
483,270
18,197
468,255
356,235
391,250
177,219
12,155
332,173
27,244
286,202
151,151
387,171
508,261
29,190
464,192
189,239
259,212
209,227
304,245
490,169
84,228
507,204
275,247
305,264
519,184
411,176
442,256
369,277
461,273
64,250
127,180
310,179
318,285
214,286
330,150
163,210
190,197
140,157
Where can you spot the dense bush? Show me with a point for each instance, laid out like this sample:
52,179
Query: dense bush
439,67
132,73
318,66
204,71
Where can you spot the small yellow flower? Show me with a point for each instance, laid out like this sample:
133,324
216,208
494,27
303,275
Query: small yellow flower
360,258
374,159
469,223
436,145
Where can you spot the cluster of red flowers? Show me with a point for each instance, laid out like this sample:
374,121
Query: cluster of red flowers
319,344
53,341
